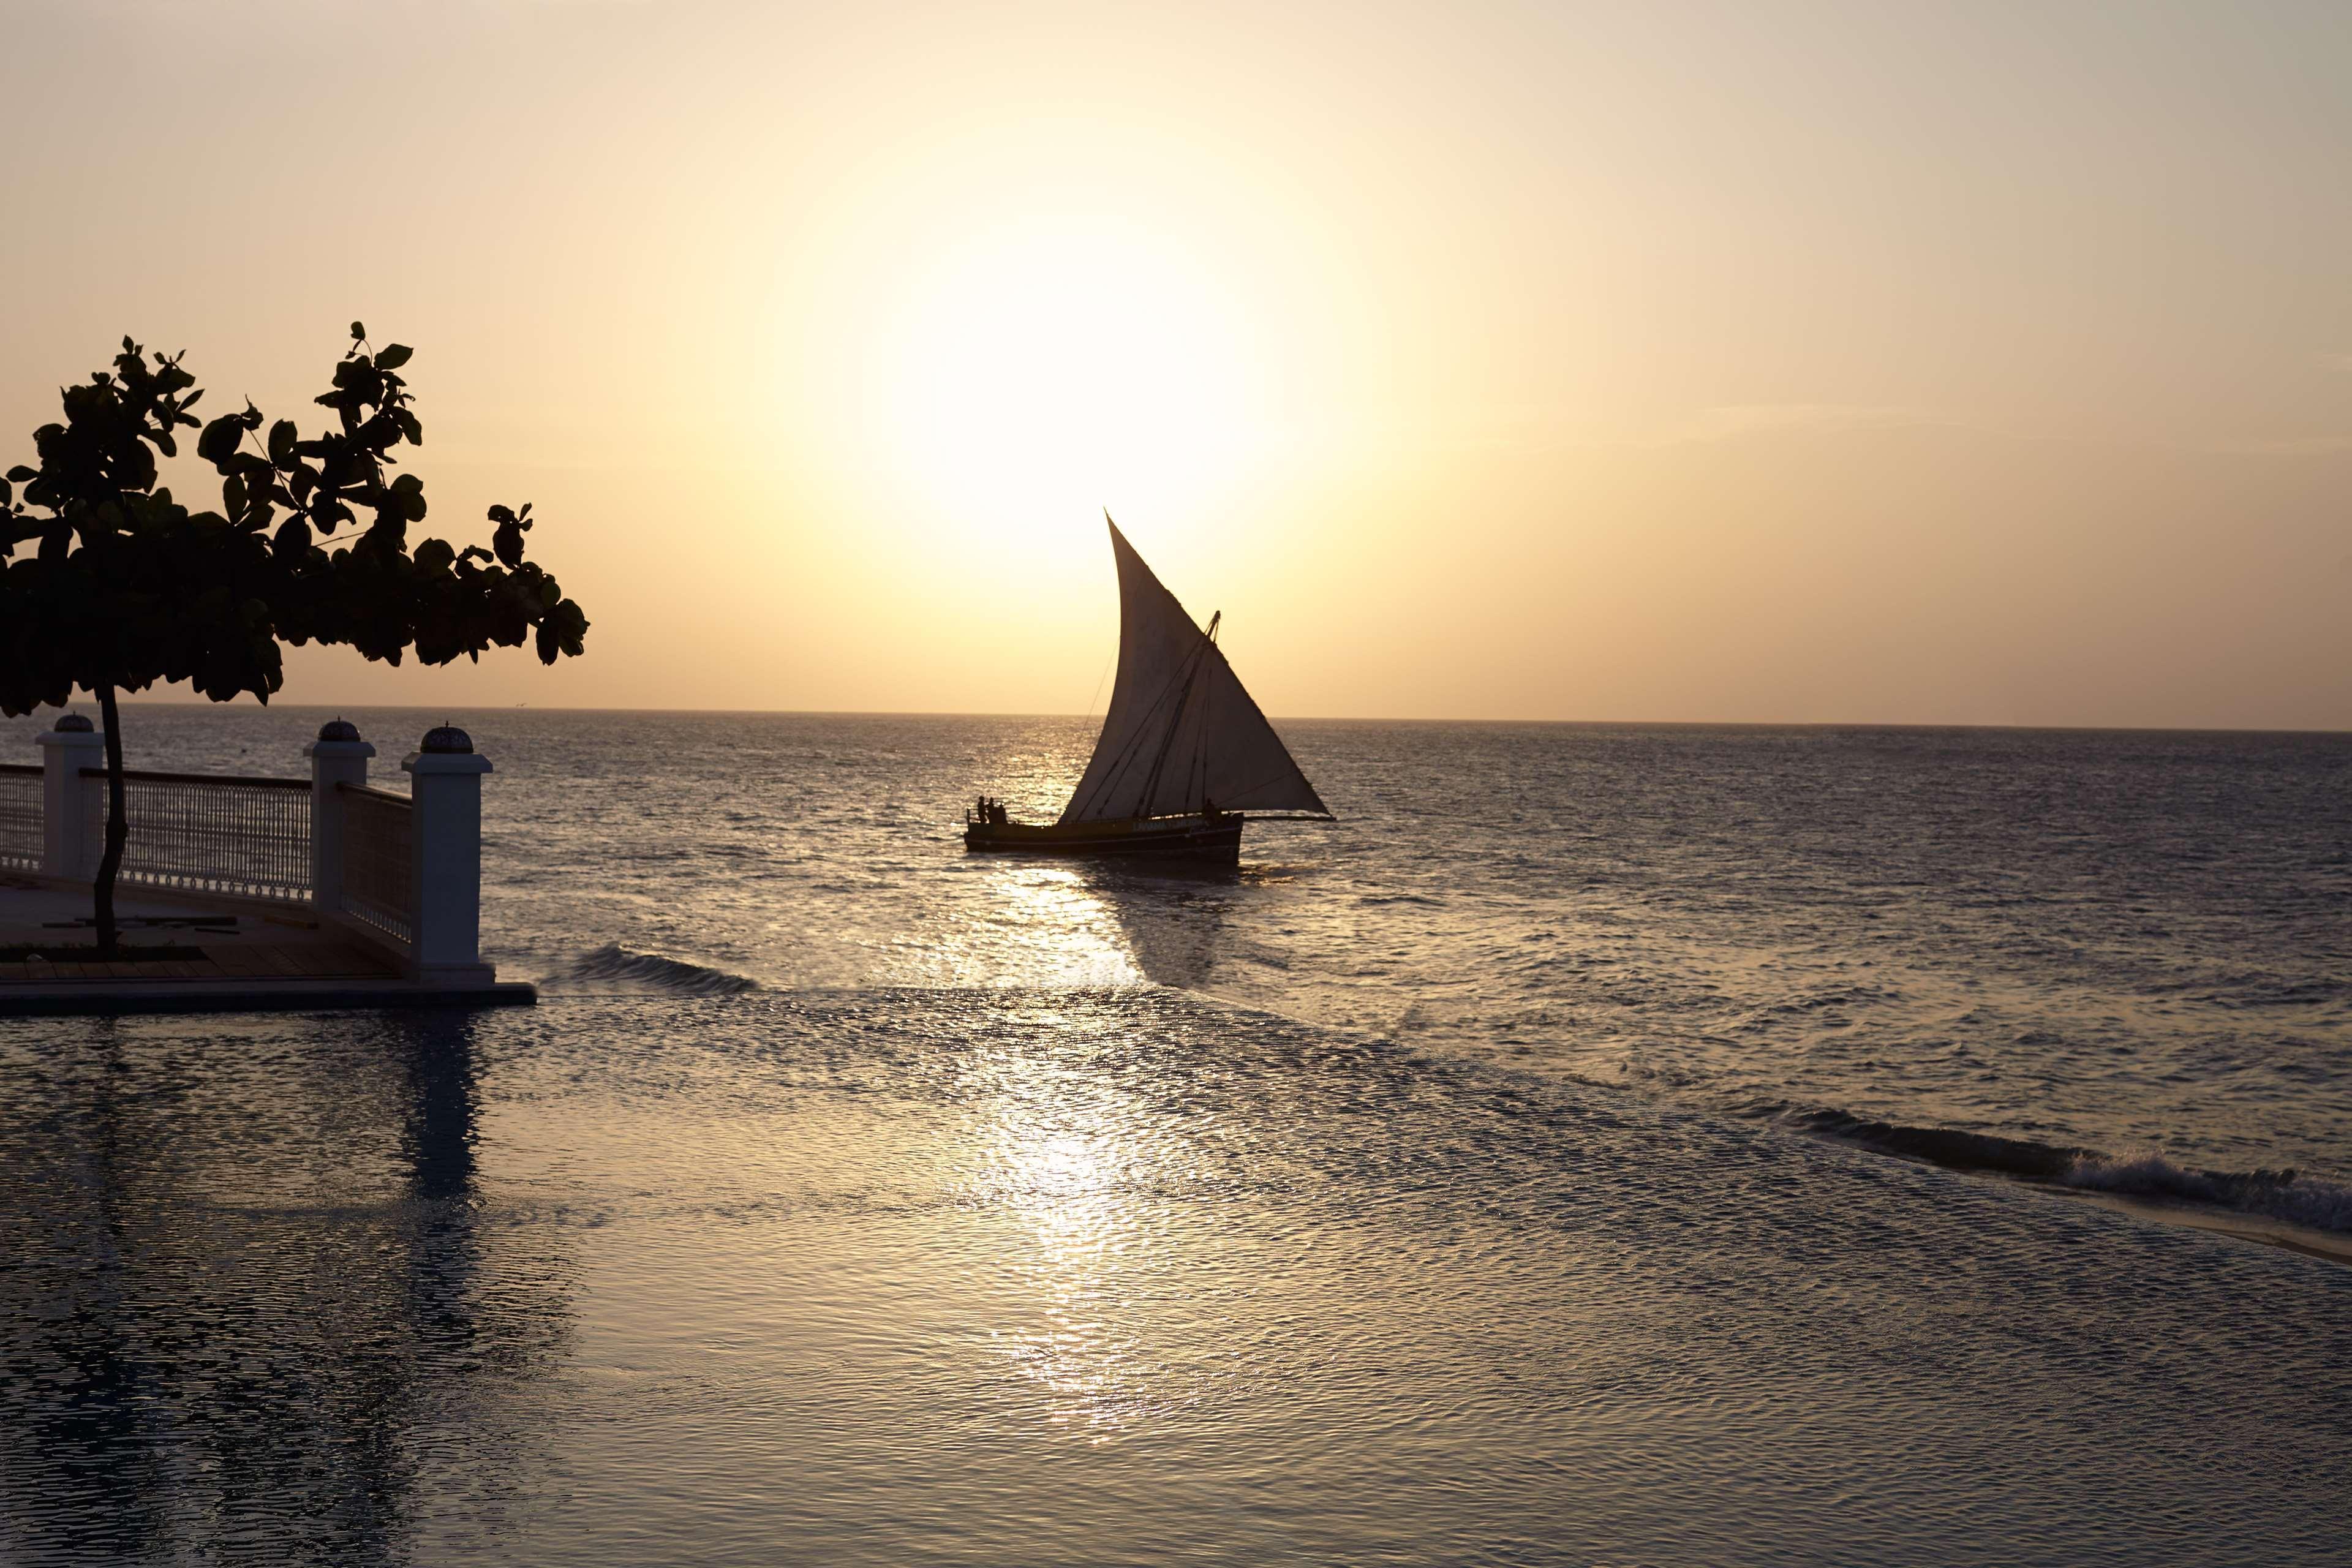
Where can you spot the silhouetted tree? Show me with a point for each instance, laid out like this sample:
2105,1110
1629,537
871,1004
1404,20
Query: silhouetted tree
125,587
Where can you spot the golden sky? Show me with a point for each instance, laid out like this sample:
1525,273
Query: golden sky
1980,364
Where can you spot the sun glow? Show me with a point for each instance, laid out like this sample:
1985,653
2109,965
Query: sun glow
1037,374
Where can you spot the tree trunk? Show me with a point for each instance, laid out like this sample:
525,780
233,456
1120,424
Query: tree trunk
117,823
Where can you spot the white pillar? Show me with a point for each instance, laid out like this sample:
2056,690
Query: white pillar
337,757
446,789
66,850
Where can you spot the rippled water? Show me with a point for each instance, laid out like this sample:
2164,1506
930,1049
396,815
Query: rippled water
1430,1192
2133,944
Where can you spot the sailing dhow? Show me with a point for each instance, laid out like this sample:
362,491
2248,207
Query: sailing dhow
1185,757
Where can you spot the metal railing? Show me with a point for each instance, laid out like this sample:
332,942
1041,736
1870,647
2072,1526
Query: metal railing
24,819
209,833
379,859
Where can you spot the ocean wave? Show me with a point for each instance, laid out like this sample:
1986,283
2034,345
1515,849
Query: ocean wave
2286,1196
2283,1195
614,967
1938,1145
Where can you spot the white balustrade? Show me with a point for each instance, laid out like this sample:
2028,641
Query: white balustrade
339,759
23,833
208,834
444,783
400,872
67,749
379,860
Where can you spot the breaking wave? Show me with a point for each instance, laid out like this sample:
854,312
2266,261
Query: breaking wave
615,968
2283,1195
1938,1145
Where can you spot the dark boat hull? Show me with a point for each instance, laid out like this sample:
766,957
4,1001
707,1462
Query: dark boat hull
1215,839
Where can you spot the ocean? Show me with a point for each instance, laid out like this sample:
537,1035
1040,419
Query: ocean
1604,1143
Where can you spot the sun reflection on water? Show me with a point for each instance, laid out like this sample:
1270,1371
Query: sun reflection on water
1075,1167
1043,924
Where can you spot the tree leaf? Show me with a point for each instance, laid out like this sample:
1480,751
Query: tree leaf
218,443
408,491
392,356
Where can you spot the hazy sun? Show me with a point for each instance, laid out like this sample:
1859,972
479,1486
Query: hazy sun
1037,374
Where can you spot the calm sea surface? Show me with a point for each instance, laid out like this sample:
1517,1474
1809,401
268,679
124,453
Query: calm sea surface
1510,1172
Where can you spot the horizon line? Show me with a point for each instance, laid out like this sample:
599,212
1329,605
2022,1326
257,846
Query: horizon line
447,708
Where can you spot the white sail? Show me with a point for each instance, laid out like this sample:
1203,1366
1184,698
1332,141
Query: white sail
1181,734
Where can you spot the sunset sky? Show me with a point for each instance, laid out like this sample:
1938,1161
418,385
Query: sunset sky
1980,364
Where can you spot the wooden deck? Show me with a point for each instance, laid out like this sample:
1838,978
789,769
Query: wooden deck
244,961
